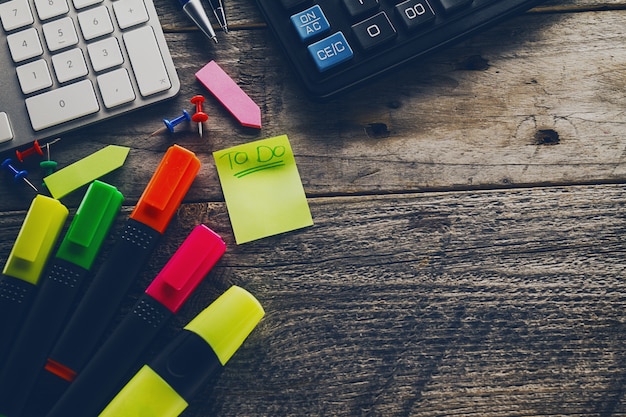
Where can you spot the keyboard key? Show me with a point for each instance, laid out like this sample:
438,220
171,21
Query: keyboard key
95,22
60,34
69,65
47,9
24,45
374,31
115,88
62,105
105,54
415,13
6,133
81,4
146,60
34,76
360,7
15,14
130,13
310,23
76,62
330,51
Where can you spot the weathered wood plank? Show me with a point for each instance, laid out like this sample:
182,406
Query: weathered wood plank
499,303
491,304
483,114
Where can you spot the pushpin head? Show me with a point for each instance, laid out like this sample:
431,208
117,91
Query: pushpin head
170,124
17,174
27,152
199,116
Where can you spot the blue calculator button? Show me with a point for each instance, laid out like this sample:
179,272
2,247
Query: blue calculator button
330,51
310,22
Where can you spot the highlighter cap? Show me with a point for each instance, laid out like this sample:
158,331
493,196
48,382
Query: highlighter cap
167,188
146,394
187,268
35,241
91,224
227,322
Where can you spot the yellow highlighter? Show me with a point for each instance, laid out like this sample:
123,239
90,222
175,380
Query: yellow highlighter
164,387
24,267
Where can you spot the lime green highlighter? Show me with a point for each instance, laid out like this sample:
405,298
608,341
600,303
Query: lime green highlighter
25,265
164,387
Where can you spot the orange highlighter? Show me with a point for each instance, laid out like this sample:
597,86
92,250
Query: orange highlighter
148,221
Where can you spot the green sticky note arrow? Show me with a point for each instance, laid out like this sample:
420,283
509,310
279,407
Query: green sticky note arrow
86,170
262,188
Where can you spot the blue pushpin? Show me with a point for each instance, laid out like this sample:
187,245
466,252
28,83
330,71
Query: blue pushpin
170,124
17,175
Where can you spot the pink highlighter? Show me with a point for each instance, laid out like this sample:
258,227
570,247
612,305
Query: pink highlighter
104,374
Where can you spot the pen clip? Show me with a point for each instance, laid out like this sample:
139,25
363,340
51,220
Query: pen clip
166,188
187,268
39,232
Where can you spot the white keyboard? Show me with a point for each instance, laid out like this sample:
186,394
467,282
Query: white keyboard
68,63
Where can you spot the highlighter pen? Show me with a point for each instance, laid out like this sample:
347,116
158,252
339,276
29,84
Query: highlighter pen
33,246
148,221
104,374
58,290
164,387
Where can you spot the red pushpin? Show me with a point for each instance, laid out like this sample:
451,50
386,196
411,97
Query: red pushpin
199,116
27,152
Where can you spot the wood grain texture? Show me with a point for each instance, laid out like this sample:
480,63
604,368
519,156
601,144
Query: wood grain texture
468,252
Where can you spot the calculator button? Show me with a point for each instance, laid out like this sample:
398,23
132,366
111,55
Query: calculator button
105,54
130,13
62,105
415,13
454,5
6,133
69,65
310,23
34,76
47,9
359,7
374,31
24,45
289,4
60,34
95,22
15,14
330,51
116,88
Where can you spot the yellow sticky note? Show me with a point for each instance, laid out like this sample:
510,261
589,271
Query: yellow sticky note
263,190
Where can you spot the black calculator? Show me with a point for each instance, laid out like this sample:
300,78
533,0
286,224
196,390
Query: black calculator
335,45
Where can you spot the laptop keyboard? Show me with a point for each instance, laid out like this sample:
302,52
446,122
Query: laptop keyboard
338,44
69,63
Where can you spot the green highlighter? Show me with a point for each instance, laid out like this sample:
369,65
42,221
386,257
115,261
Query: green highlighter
58,290
164,387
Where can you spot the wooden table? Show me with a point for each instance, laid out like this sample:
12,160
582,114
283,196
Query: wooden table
468,249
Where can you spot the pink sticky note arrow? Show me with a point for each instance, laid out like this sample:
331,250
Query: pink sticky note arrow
236,101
